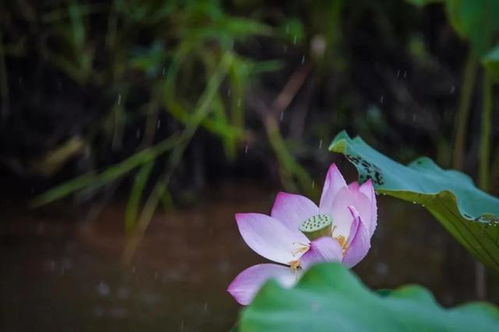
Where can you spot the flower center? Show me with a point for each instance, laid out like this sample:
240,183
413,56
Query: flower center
342,241
317,226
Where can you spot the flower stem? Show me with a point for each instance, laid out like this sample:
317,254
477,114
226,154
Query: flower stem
484,171
463,112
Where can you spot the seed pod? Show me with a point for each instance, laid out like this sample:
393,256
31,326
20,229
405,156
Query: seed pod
317,226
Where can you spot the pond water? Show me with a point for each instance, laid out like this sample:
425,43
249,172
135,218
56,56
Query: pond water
65,273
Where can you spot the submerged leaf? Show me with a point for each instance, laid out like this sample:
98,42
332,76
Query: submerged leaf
330,298
469,214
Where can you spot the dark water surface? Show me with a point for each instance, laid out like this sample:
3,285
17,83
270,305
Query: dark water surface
65,273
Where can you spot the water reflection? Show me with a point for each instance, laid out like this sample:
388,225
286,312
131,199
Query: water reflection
62,274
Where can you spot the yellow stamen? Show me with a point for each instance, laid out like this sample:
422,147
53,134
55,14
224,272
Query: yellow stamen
343,242
300,250
294,265
341,239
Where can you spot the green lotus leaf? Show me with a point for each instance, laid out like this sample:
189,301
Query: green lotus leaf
331,298
475,21
469,214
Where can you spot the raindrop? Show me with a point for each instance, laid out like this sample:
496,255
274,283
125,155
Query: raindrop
99,312
381,268
137,133
163,72
398,73
205,306
320,144
413,117
313,184
118,313
239,102
119,99
103,289
314,306
229,92
452,89
381,99
123,293
405,73
40,228
281,117
295,38
52,265
158,124
303,59
66,263
246,149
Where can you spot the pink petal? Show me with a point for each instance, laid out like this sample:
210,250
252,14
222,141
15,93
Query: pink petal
332,185
244,287
324,249
269,238
292,210
359,240
354,228
368,190
342,218
354,186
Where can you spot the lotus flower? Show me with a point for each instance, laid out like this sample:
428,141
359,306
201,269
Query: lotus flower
298,233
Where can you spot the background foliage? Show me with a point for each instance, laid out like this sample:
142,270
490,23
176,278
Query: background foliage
162,97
